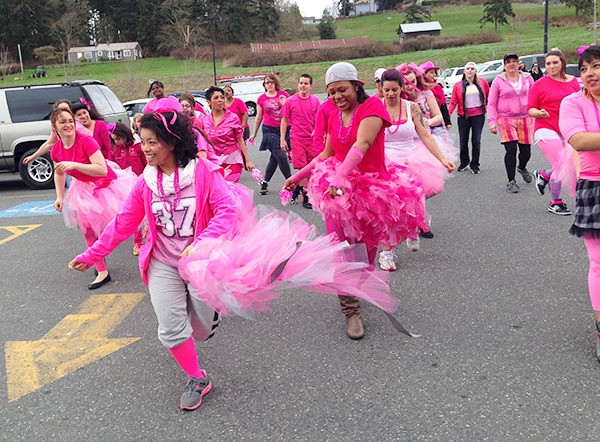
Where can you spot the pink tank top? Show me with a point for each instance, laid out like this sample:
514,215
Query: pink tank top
400,136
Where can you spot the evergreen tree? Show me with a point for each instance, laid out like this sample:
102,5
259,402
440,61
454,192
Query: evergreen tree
416,13
497,12
326,27
345,7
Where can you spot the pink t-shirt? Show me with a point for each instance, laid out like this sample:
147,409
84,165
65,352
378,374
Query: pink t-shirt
175,231
343,138
271,107
102,136
301,113
579,113
326,109
547,93
81,151
239,108
130,156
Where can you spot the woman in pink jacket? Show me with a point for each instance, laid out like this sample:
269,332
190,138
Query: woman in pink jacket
508,117
206,252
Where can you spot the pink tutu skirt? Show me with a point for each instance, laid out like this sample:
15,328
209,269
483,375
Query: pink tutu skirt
427,169
444,142
376,208
88,206
277,251
564,169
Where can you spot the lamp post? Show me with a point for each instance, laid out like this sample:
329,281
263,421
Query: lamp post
546,26
595,23
212,21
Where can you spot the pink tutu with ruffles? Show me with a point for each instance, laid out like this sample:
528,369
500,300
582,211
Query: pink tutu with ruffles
277,251
88,206
375,208
427,169
445,143
564,169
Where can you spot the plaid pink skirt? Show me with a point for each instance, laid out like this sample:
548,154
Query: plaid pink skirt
515,129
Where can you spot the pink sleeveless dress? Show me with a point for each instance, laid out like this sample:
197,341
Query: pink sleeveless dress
402,145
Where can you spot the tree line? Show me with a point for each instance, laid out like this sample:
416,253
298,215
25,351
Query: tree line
158,25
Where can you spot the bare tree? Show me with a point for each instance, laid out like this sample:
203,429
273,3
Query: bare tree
182,30
71,28
7,61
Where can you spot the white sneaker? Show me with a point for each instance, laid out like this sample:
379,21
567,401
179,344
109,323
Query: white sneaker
412,244
386,260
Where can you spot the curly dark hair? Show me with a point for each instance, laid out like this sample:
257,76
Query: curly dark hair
181,134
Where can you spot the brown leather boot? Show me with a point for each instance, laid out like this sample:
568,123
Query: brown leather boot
351,309
354,327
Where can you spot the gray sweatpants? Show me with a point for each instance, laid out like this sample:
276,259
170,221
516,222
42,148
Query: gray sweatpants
180,315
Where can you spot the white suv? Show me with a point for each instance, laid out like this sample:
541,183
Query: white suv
25,125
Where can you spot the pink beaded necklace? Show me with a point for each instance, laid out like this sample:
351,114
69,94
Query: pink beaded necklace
344,138
169,205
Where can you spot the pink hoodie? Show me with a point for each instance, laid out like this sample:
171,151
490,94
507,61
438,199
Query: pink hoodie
503,100
215,216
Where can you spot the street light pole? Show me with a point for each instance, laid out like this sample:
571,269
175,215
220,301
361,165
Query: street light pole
595,23
546,26
212,21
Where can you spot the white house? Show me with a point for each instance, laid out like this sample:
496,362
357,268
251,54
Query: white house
106,51
365,6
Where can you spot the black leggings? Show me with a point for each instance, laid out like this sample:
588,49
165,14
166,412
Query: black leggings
510,157
278,158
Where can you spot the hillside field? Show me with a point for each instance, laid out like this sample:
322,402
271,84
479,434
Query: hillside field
524,35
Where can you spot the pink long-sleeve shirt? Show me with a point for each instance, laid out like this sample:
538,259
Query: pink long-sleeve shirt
503,100
215,216
579,113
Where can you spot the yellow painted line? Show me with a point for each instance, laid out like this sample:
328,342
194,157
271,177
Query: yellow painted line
76,341
17,231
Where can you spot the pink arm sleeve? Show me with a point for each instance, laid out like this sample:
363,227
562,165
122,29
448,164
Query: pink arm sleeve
353,158
305,171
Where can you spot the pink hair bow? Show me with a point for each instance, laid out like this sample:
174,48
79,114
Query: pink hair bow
407,68
159,116
581,49
87,103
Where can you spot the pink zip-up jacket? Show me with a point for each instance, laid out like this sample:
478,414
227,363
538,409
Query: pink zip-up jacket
215,216
503,100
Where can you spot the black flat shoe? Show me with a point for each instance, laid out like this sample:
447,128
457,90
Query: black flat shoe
97,285
425,234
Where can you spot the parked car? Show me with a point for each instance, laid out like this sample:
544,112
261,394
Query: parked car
25,125
449,78
573,69
490,70
133,107
247,88
530,59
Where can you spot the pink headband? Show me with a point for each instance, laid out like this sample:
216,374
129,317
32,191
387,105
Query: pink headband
85,102
159,116
581,49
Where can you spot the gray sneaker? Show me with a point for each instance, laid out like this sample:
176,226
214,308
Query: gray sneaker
512,187
194,391
527,177
264,188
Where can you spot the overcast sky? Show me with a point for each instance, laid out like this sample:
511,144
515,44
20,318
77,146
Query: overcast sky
313,8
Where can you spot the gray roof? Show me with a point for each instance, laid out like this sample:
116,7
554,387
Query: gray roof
421,27
117,46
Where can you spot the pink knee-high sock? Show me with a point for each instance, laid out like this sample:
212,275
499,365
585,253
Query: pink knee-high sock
185,355
593,248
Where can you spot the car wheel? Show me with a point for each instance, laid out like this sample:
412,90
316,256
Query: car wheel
39,174
251,108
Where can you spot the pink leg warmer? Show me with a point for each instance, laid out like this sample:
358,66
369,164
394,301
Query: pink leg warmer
90,239
593,248
185,355
552,150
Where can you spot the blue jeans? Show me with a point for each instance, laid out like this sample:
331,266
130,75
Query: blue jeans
475,126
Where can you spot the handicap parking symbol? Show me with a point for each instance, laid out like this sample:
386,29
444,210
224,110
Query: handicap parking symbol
33,208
